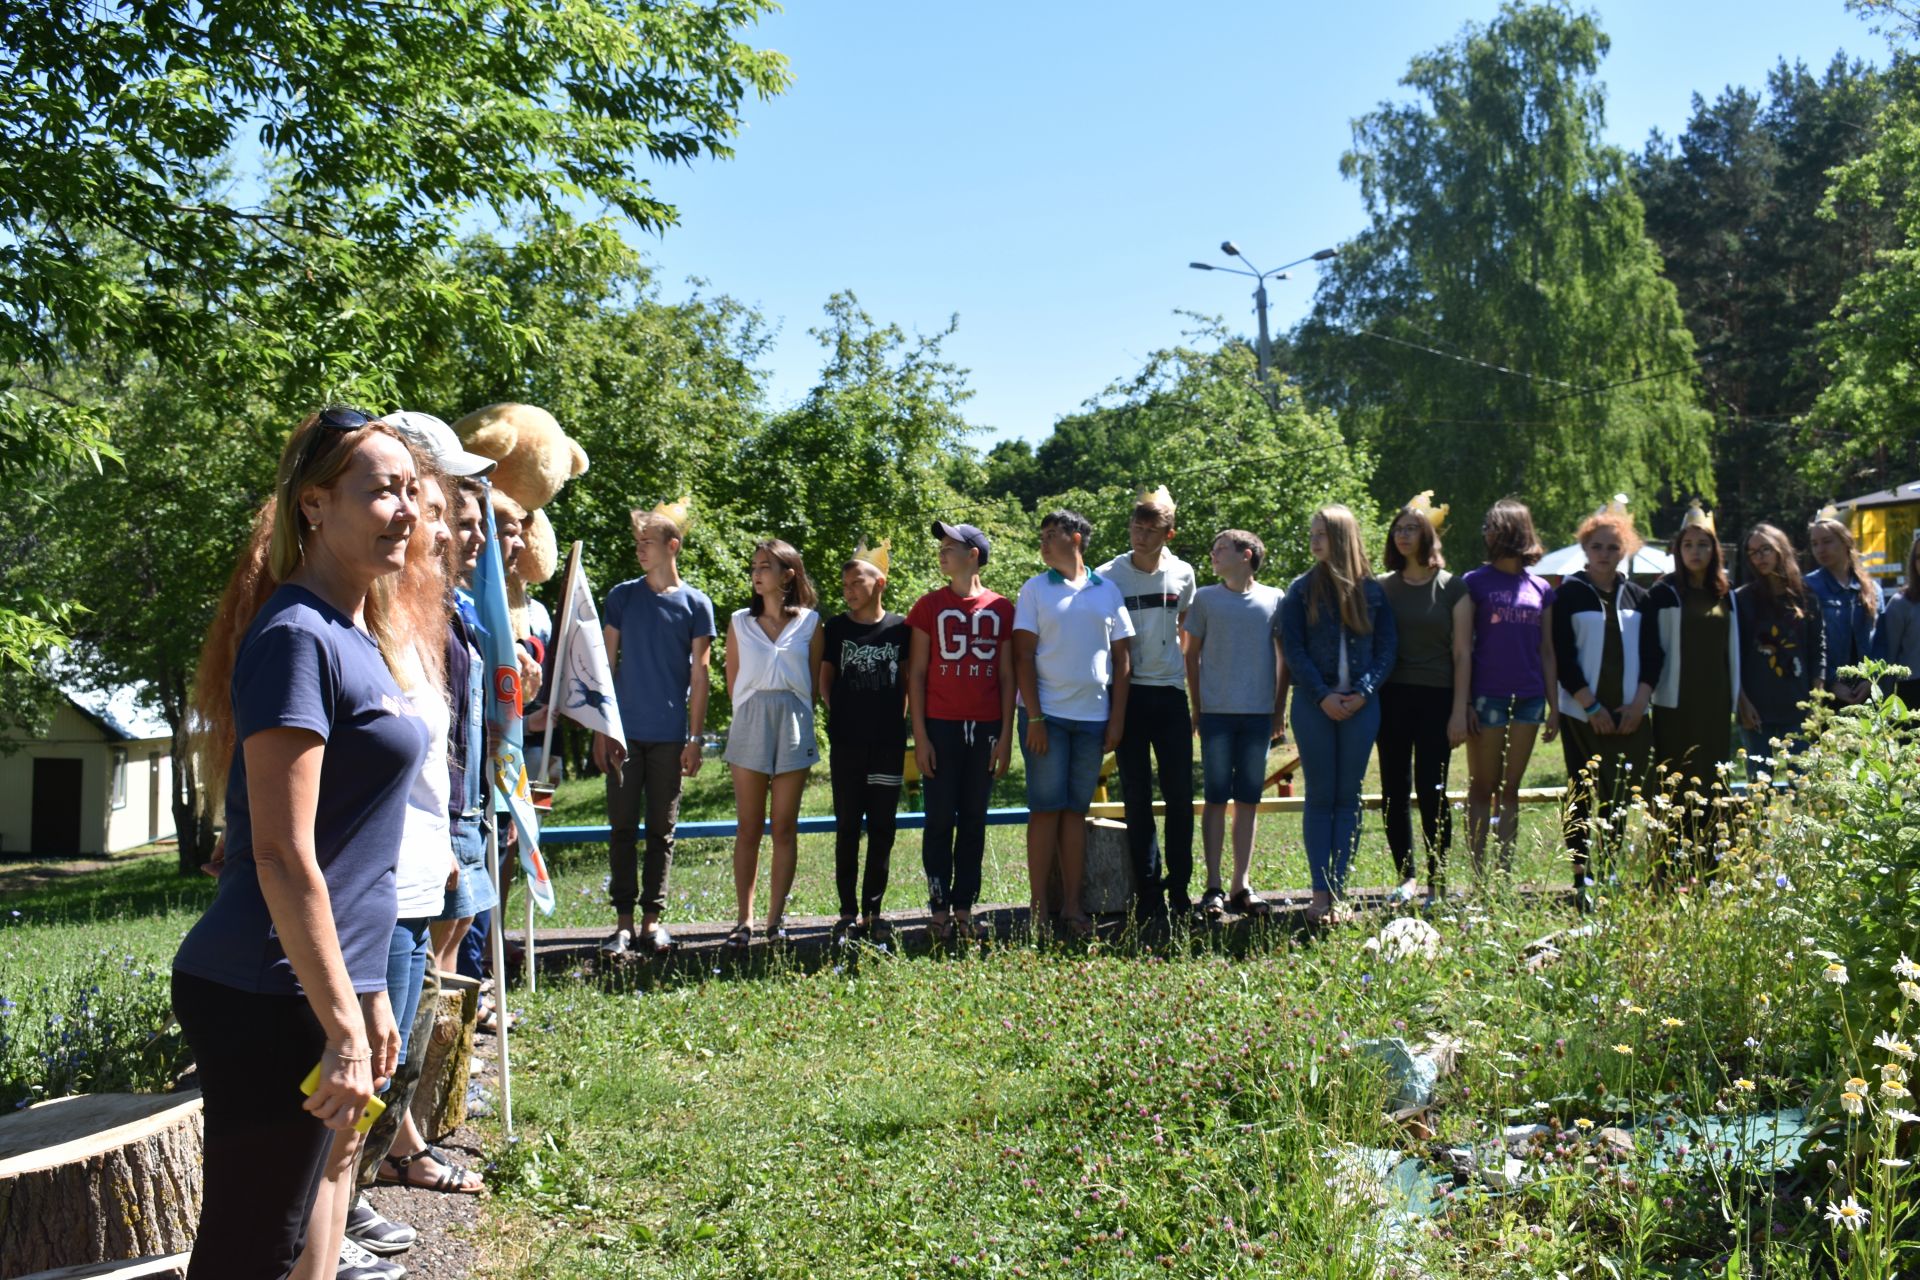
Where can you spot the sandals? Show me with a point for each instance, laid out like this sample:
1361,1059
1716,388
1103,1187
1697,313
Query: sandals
453,1178
739,938
963,927
942,929
1213,904
1248,903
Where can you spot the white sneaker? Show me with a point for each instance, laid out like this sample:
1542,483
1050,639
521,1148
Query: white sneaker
1403,893
357,1264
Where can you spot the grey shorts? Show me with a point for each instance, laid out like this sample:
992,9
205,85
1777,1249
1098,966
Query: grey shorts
772,733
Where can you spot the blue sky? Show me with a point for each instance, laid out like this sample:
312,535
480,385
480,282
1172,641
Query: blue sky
1047,170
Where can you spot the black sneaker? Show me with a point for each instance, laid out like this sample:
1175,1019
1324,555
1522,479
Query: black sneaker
377,1234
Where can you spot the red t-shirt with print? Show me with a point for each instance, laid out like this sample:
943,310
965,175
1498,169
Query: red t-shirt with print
967,640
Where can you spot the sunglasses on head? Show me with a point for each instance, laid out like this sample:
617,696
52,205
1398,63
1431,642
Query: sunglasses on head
341,418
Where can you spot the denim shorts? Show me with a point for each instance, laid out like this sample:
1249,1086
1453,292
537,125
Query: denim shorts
1498,713
1233,755
474,891
1064,779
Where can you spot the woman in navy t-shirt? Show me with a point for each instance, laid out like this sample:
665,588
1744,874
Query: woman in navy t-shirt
288,966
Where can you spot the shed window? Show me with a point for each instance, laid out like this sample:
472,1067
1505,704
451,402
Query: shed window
119,777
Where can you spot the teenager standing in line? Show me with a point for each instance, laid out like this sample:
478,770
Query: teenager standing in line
1070,644
1417,699
1603,711
1235,672
304,724
1897,634
1783,649
960,691
1690,656
1503,672
1158,589
774,646
1340,641
1850,603
659,635
468,768
863,685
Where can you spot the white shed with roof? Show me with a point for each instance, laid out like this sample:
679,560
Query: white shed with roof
99,781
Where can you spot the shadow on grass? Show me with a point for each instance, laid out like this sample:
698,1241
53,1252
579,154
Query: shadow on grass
146,886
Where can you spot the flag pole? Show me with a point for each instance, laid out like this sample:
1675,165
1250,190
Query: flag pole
554,701
499,945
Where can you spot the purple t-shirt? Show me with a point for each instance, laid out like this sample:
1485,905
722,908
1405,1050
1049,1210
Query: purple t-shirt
1509,613
304,665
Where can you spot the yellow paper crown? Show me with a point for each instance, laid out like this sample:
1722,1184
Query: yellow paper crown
879,557
1423,503
676,512
1828,512
1158,497
1617,507
1699,518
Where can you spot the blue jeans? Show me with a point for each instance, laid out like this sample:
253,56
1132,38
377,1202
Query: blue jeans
1498,713
406,974
1063,780
1233,755
1333,756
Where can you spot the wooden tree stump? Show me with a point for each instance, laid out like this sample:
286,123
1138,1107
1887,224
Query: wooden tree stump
440,1100
170,1266
1106,884
103,1177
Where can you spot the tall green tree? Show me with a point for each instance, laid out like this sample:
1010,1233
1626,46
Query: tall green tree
1502,326
1194,420
1735,205
210,188
864,456
1863,423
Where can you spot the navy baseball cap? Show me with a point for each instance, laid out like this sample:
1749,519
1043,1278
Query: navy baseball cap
966,535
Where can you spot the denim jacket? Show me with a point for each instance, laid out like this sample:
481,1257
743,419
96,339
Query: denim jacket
1313,656
1850,631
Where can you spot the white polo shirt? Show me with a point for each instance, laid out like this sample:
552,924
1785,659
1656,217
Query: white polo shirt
1077,623
1155,599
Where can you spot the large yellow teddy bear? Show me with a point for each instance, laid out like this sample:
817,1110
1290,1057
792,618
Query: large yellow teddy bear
535,460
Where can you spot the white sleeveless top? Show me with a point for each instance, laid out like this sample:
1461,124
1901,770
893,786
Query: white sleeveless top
773,666
426,848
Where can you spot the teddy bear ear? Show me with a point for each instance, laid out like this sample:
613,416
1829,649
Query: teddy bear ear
489,432
579,457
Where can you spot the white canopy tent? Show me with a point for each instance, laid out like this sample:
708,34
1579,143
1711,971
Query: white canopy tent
1646,561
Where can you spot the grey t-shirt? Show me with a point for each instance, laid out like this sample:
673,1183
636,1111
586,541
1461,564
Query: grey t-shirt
1423,617
1156,599
1237,660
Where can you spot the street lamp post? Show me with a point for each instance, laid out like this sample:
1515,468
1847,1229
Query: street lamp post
1263,353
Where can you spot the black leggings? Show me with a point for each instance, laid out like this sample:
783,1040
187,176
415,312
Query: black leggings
263,1156
866,784
1414,752
956,796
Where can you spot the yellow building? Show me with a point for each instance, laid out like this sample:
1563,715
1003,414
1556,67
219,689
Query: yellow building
1884,524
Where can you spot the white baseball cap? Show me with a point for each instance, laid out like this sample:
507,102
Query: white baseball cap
435,438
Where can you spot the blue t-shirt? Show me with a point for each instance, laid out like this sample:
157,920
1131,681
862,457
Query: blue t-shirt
657,630
304,665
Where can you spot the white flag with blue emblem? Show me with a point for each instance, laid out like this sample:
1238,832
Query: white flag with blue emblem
584,685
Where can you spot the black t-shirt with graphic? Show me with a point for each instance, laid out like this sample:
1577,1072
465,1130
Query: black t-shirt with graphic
869,661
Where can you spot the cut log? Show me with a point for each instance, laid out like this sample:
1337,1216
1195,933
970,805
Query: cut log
170,1266
440,1100
102,1177
1106,883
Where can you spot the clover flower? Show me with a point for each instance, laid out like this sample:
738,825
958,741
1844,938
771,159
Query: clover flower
1848,1214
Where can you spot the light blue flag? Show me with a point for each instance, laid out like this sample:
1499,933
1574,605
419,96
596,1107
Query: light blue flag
501,653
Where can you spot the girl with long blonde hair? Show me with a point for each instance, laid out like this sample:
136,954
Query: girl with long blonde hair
1850,603
287,968
1340,641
